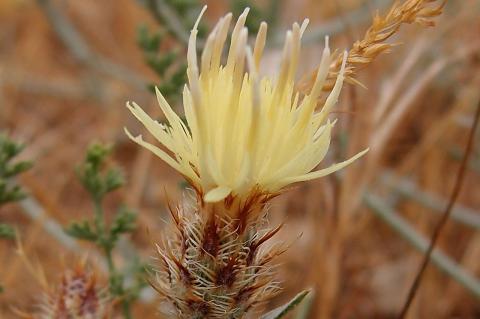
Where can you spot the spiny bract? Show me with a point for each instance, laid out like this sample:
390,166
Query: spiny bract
212,268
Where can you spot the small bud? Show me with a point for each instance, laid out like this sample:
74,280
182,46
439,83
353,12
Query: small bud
76,296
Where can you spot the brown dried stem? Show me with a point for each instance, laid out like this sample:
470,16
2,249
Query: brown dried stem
441,224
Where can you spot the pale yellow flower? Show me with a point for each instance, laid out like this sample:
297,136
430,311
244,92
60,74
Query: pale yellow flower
245,132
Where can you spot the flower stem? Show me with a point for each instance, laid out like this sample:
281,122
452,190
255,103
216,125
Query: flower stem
105,242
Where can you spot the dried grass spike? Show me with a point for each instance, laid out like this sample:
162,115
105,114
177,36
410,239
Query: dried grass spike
373,43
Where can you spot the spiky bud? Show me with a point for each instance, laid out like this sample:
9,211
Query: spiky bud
213,264
77,296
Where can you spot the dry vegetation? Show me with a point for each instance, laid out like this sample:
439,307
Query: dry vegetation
356,239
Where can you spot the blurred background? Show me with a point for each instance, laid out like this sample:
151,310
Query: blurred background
68,67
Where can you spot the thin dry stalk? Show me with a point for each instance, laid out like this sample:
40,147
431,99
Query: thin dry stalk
390,122
79,48
469,261
392,87
13,268
441,224
468,98
381,135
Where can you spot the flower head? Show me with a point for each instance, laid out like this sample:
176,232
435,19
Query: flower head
76,296
245,132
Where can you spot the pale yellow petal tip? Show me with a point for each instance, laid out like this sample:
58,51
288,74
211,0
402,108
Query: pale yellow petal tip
217,194
324,172
365,151
355,157
130,136
195,26
245,12
125,129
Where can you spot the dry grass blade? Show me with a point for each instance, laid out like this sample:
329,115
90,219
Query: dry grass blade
460,275
445,216
373,43
80,49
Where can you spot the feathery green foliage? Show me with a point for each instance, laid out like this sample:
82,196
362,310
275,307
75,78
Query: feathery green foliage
172,75
9,168
175,17
99,181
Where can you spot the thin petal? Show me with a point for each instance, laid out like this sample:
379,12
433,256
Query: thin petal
156,150
152,126
323,172
217,194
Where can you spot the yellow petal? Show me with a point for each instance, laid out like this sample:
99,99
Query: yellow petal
156,150
323,172
217,194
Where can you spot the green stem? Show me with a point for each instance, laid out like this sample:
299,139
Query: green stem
99,218
127,312
116,280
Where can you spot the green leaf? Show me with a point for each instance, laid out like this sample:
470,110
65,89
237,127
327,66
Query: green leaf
113,179
164,61
17,168
255,16
96,154
148,42
7,231
160,63
180,76
82,230
91,172
8,150
10,194
305,308
124,222
182,6
281,311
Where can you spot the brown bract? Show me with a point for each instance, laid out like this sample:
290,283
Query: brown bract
242,211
